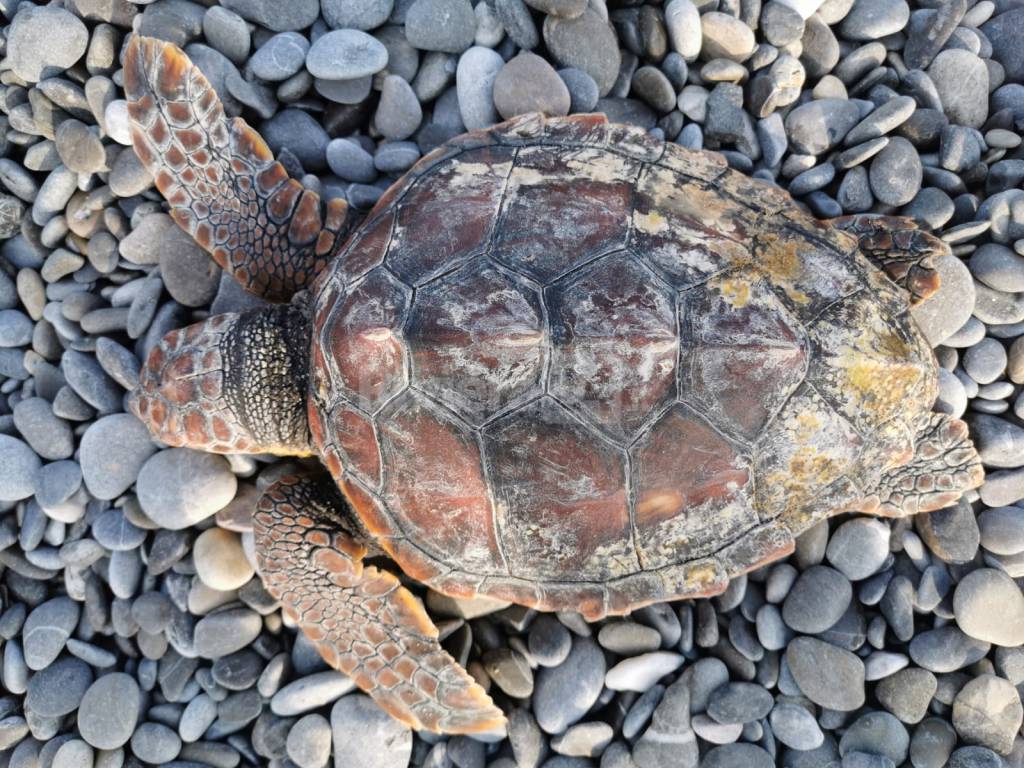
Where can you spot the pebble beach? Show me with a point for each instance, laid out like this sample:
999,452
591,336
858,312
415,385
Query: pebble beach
134,630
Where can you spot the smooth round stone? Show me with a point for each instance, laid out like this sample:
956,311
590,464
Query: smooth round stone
396,156
907,693
932,743
583,740
628,638
829,676
874,19
739,703
225,632
725,37
510,671
583,93
275,15
781,24
961,79
280,57
474,81
398,111
20,464
517,22
998,267
179,487
155,743
586,42
350,161
220,560
859,547
48,435
46,630
79,147
549,642
346,54
817,126
563,694
896,172
641,672
951,533
975,757
528,83
951,306
737,756
57,482
714,732
817,600
44,41
1003,32
309,742
356,14
228,33
441,25
1002,530
109,711
683,24
795,726
112,451
877,733
1000,443
57,689
360,727
90,381
310,692
946,649
988,606
987,712
985,361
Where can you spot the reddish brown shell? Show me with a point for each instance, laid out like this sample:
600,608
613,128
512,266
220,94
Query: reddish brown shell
568,365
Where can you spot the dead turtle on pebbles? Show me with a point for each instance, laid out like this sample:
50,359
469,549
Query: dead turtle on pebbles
560,363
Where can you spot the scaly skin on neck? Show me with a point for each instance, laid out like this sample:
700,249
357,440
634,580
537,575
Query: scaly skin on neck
235,383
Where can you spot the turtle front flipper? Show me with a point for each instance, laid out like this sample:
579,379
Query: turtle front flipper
363,622
898,247
223,184
945,465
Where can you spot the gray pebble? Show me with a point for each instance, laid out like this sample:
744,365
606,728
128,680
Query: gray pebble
827,675
946,649
817,600
309,742
109,710
280,57
310,692
155,743
357,14
961,79
226,631
113,450
896,172
987,712
360,727
550,642
48,435
202,484
57,689
817,126
477,70
795,726
739,703
441,25
398,111
582,673
44,41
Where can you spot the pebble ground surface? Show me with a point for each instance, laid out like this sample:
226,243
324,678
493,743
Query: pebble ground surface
133,629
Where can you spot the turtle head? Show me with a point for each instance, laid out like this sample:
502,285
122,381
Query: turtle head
235,383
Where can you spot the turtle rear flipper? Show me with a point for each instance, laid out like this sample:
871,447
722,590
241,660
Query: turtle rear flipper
361,619
945,465
898,247
221,179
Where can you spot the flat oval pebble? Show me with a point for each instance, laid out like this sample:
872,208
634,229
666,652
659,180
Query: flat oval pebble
360,727
795,727
310,692
987,711
563,694
179,487
817,600
220,560
628,638
345,54
109,710
827,675
739,703
989,606
639,673
112,451
20,464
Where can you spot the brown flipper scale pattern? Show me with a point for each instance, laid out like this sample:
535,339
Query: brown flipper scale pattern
360,618
221,180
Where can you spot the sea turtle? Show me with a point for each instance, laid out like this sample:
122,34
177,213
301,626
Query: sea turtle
561,363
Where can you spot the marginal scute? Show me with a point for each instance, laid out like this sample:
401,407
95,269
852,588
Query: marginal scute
614,344
693,490
805,449
560,493
477,340
743,352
